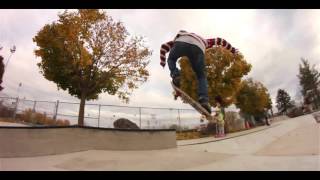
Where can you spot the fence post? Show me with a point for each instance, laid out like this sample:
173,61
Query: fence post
56,110
179,120
99,115
34,106
140,117
16,108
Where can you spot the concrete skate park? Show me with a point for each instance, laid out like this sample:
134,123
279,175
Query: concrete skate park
35,141
288,144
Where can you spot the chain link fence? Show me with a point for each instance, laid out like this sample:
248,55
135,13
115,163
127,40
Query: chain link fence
100,115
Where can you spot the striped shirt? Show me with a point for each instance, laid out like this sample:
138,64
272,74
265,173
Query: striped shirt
195,39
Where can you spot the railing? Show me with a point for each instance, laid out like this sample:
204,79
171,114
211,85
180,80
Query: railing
101,115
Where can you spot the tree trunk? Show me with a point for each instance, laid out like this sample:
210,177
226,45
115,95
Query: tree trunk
81,110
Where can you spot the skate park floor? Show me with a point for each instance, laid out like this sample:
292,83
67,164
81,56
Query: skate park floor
291,145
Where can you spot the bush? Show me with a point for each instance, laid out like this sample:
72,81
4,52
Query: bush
66,123
27,115
59,122
41,118
50,121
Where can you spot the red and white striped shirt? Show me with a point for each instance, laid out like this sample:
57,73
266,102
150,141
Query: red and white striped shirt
195,39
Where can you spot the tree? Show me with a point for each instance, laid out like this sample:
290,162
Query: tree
87,53
252,97
309,81
224,72
1,71
283,101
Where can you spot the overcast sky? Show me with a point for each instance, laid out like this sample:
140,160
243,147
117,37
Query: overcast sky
273,41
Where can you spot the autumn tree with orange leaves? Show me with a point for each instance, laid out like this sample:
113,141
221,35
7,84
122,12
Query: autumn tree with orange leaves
87,53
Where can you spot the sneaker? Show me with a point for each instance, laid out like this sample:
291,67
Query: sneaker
204,103
207,107
176,81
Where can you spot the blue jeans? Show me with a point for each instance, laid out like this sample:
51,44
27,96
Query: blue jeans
196,58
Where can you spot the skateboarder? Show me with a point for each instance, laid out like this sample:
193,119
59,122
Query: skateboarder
193,46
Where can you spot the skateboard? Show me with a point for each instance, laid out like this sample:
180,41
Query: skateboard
186,98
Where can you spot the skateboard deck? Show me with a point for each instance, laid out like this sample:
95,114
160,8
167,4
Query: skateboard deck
186,98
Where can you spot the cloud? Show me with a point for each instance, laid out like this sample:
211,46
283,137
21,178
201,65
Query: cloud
280,39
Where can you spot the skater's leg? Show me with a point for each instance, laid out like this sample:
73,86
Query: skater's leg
172,60
175,53
198,66
178,50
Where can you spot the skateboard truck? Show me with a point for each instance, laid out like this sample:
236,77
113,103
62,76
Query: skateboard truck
176,95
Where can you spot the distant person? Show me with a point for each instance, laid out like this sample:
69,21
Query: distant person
192,46
266,116
219,116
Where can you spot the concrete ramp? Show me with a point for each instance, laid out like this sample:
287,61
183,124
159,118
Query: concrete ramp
38,141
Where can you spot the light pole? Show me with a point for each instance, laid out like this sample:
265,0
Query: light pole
12,50
17,102
20,84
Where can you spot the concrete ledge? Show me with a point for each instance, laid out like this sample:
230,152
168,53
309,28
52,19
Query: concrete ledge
38,141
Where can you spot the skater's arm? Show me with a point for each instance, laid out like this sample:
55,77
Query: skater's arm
163,51
221,42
